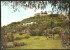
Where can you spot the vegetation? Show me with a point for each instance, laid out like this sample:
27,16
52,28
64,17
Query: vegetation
37,35
50,26
39,42
59,5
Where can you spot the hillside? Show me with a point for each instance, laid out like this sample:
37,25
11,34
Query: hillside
38,32
37,22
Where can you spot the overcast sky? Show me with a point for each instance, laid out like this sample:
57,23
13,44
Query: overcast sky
8,16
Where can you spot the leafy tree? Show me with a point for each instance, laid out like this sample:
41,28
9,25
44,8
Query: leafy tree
60,4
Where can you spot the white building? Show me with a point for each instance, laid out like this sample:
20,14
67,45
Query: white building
30,23
44,13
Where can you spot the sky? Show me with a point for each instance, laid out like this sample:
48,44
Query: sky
8,16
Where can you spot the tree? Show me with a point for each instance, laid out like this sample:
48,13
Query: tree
60,5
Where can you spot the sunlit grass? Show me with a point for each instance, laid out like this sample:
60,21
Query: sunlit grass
40,43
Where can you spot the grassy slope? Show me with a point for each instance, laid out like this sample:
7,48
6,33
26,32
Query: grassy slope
41,43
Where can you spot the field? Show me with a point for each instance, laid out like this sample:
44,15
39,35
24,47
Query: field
38,42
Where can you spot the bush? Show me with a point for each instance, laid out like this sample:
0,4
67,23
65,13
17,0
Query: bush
56,36
20,33
49,31
10,45
27,36
18,43
57,30
10,37
19,38
53,15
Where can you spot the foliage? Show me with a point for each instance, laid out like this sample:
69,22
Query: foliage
19,38
51,21
45,25
59,5
27,35
17,43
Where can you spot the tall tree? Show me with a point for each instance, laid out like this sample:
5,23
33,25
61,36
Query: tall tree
60,4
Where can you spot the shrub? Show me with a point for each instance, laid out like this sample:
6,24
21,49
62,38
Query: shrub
56,36
10,37
53,15
57,30
10,45
18,43
19,38
20,33
49,31
27,36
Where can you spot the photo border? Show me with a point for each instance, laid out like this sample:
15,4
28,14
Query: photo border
33,0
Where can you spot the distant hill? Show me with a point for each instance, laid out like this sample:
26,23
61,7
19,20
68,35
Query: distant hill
37,24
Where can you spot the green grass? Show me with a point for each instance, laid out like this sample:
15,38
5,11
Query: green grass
41,43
